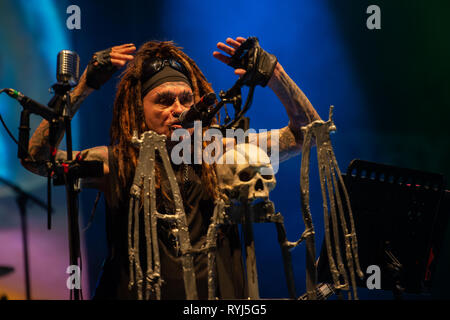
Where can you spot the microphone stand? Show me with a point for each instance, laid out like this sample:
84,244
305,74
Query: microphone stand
69,177
21,200
233,96
68,172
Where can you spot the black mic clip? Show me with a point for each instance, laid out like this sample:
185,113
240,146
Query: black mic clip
77,169
233,96
59,100
61,88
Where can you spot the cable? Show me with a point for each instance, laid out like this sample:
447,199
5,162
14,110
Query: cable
11,135
14,139
6,127
91,219
9,132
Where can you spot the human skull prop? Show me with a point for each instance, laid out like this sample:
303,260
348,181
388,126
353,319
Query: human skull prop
245,173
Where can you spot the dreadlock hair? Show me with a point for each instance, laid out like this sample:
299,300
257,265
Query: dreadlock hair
128,113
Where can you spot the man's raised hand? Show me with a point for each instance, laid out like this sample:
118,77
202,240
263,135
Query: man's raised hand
106,62
230,50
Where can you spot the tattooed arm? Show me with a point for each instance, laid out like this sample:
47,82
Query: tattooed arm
299,110
289,139
39,146
99,72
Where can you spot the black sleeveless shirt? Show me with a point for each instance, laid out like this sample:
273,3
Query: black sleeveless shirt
199,207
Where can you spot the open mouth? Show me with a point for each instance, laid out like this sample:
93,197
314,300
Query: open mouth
177,125
173,127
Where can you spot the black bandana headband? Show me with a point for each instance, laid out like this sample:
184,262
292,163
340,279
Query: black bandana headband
167,74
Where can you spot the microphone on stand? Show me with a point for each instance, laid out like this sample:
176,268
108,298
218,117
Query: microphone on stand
68,63
199,111
67,75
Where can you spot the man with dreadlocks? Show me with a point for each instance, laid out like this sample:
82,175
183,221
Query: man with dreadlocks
158,84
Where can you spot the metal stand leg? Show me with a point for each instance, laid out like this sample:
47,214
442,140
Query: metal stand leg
287,259
144,182
250,261
311,272
21,202
328,170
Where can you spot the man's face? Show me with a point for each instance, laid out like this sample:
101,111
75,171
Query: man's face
163,105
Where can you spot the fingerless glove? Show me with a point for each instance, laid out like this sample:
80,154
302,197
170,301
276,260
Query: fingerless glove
100,69
258,63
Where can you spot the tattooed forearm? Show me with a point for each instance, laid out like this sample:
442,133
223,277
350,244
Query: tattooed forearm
284,141
39,148
299,110
290,143
39,145
79,94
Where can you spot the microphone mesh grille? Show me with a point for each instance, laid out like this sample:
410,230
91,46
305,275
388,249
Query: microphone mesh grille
68,67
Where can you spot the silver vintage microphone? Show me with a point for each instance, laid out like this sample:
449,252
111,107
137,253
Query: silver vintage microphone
68,67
